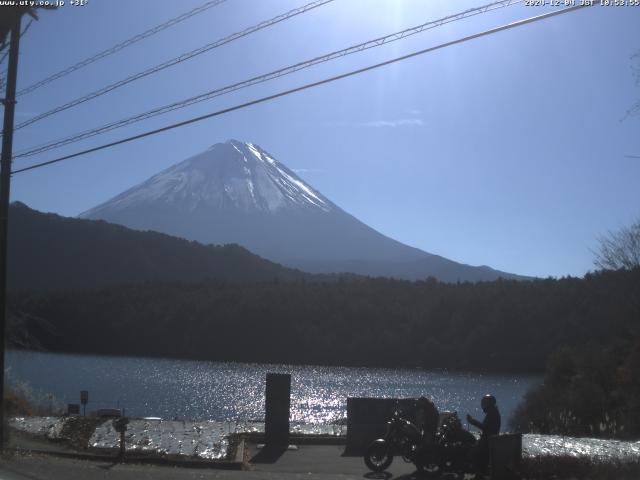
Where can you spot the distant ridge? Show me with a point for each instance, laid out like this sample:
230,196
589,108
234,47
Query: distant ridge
47,251
236,192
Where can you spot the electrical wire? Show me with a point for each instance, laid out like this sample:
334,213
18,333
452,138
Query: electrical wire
120,46
308,86
174,61
263,78
6,54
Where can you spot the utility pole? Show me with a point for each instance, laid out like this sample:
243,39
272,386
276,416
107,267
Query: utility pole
9,102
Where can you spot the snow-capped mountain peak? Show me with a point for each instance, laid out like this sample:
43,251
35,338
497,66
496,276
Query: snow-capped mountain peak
227,176
236,192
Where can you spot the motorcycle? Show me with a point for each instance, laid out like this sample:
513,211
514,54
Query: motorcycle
454,446
449,449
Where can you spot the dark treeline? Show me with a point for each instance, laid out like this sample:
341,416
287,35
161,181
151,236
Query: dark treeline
492,326
47,251
587,391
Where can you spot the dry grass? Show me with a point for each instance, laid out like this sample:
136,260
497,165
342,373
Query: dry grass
17,405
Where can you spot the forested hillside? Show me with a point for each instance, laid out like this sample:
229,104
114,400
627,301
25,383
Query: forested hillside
47,251
492,326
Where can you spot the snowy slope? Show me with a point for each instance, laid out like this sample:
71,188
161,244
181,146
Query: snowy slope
233,175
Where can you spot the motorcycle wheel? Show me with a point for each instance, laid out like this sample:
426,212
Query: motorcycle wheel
378,456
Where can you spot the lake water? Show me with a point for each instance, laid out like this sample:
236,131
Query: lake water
200,403
198,390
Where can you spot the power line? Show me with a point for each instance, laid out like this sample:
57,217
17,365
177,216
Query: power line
264,78
307,86
175,61
6,54
120,46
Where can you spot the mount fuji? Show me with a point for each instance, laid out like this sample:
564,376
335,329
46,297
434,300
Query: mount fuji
236,192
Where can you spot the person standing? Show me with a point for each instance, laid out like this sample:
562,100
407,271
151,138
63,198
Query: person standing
489,426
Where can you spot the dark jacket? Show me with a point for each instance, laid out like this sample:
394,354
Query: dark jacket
490,425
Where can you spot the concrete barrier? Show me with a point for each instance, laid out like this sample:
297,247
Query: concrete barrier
505,456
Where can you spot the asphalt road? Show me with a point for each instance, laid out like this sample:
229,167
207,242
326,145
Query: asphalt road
317,462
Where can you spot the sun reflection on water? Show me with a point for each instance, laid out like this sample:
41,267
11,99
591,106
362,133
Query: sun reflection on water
197,390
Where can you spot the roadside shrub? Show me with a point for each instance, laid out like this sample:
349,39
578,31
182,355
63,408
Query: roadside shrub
586,392
21,400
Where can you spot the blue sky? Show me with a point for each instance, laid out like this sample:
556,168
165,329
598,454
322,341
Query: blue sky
512,150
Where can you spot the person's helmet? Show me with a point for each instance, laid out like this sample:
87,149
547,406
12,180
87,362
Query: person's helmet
488,401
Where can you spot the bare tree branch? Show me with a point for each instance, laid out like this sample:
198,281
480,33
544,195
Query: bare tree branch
619,250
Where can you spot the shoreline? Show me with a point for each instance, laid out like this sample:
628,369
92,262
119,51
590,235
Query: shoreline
142,356
213,440
317,457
